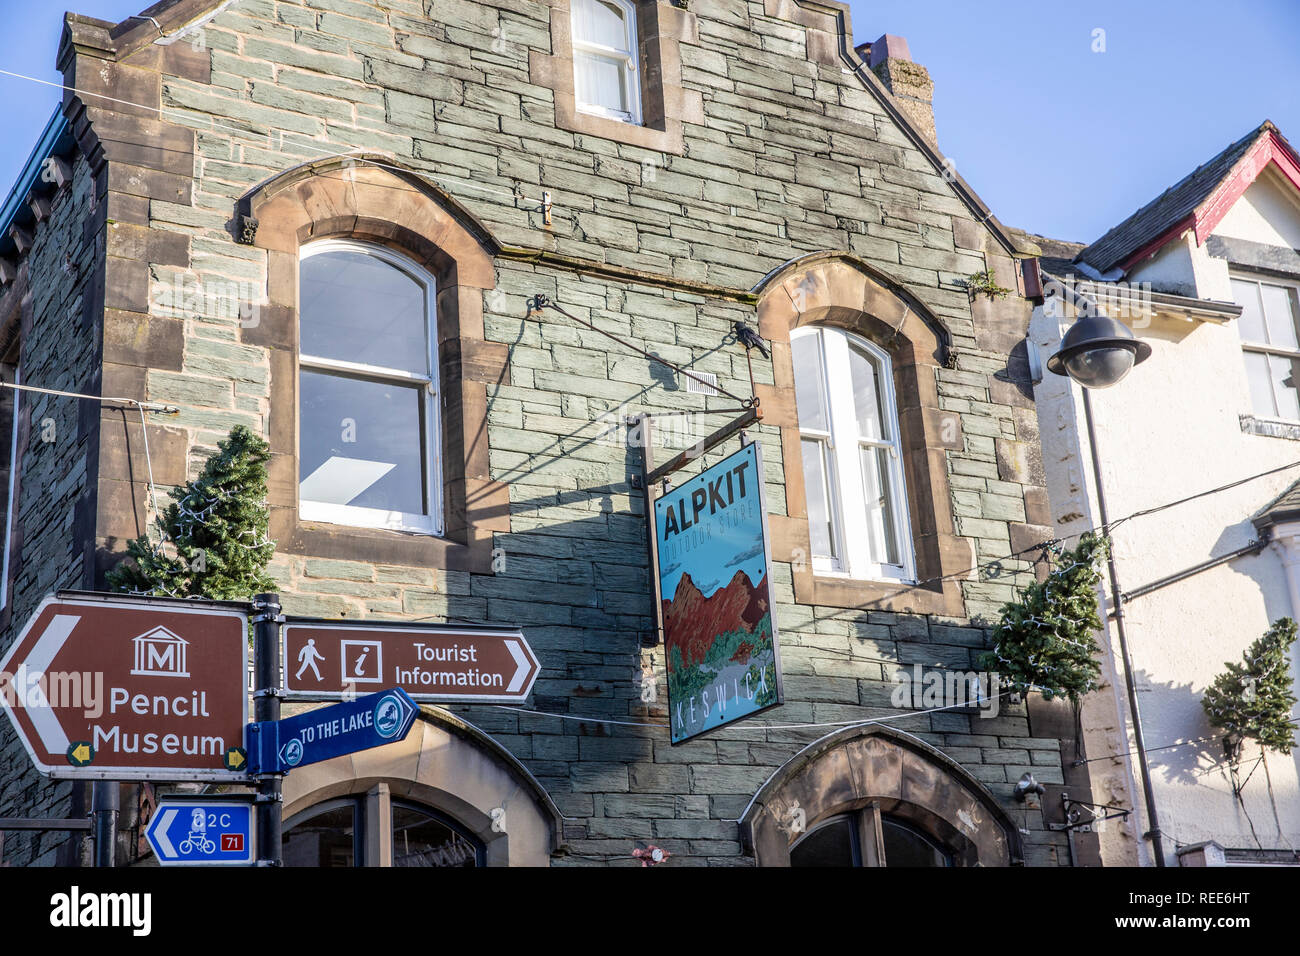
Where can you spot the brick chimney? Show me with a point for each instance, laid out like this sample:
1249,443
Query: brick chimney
910,83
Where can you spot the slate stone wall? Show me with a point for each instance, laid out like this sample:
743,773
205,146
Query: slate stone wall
55,301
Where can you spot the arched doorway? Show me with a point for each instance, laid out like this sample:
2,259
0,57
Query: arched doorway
447,795
874,796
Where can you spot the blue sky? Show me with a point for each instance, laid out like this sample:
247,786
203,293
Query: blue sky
1054,137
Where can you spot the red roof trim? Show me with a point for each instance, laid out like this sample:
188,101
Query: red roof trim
1269,148
1151,248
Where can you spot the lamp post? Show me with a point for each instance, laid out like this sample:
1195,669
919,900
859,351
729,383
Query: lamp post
1098,352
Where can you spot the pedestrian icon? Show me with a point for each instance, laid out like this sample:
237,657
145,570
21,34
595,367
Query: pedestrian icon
308,657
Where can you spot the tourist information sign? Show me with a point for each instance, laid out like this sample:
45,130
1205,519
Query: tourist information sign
326,660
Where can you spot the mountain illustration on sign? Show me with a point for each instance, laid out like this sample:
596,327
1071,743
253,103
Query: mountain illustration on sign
724,632
694,621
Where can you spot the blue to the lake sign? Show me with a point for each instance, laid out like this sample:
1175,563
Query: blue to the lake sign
370,721
208,831
716,598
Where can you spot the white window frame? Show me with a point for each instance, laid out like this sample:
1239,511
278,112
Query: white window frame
629,56
432,523
851,519
1266,348
13,484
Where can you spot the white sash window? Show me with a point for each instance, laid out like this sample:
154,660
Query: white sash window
605,59
852,456
368,436
1270,316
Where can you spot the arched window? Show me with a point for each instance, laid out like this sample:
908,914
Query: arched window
328,834
605,59
368,433
424,837
356,831
868,838
852,456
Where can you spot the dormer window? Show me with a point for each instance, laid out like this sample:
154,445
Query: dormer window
605,59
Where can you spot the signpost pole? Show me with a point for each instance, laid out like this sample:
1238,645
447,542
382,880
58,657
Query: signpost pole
266,622
106,802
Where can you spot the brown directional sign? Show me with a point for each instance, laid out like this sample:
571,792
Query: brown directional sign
435,664
130,689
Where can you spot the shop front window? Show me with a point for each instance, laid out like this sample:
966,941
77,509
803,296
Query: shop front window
325,835
342,833
868,838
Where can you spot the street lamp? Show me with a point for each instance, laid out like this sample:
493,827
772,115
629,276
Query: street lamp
1097,352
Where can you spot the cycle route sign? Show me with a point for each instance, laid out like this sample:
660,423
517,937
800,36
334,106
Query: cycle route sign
207,831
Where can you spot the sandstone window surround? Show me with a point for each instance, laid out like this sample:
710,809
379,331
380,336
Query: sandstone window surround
372,200
839,291
661,105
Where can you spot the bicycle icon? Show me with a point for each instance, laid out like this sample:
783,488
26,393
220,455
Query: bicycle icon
198,835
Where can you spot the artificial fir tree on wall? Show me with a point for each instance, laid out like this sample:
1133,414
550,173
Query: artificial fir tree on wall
1253,699
214,534
1044,640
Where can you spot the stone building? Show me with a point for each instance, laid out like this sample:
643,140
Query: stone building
261,211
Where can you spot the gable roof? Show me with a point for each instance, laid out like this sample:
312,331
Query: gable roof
1198,201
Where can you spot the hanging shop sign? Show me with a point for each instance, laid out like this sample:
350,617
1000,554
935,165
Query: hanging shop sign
714,559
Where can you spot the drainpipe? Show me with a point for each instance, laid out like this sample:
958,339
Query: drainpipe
1117,603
